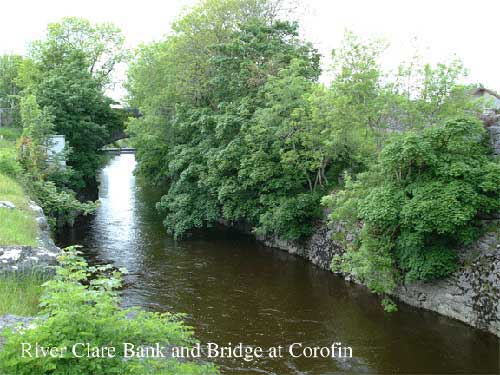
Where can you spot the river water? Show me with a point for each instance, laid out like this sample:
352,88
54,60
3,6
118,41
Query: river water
234,290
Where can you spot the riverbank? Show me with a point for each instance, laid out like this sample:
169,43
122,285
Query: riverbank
27,251
24,267
471,294
18,220
234,289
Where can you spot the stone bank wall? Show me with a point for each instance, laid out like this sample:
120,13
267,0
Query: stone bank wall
471,295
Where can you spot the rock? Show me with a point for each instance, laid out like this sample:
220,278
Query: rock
7,204
42,222
27,258
494,132
319,249
9,320
12,321
37,209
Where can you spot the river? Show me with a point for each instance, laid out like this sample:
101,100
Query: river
234,290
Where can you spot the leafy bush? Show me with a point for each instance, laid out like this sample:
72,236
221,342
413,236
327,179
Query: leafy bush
8,163
291,217
422,200
61,206
80,306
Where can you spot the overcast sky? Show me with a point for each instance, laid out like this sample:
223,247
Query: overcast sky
468,29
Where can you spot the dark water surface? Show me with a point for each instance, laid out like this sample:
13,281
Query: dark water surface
235,290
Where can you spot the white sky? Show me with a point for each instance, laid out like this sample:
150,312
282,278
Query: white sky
468,29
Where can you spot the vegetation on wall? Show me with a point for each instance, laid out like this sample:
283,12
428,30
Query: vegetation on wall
423,199
237,127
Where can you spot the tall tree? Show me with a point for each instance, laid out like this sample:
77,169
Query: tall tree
9,85
68,74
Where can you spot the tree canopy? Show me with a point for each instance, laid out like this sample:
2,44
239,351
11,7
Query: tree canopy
67,73
237,127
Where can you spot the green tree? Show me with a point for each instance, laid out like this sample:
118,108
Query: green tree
68,73
203,124
100,46
9,86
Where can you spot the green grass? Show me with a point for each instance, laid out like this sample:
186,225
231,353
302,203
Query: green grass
10,134
18,226
20,293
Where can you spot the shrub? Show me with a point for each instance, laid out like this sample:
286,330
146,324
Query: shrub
59,205
80,305
422,200
291,217
8,163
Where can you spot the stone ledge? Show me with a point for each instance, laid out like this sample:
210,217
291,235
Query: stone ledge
27,258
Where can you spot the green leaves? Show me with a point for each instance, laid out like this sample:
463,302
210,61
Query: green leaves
81,305
216,133
68,73
439,206
424,197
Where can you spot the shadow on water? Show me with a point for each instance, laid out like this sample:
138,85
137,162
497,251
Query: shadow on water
235,290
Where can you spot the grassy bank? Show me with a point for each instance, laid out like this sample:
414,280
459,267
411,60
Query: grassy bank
20,293
18,226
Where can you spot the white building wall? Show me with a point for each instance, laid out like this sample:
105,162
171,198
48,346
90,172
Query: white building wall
55,150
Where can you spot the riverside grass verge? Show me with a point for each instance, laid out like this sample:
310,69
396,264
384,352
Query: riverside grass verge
20,293
17,226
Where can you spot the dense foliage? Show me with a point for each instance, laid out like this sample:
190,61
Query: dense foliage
421,201
81,305
237,127
68,73
41,171
206,135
